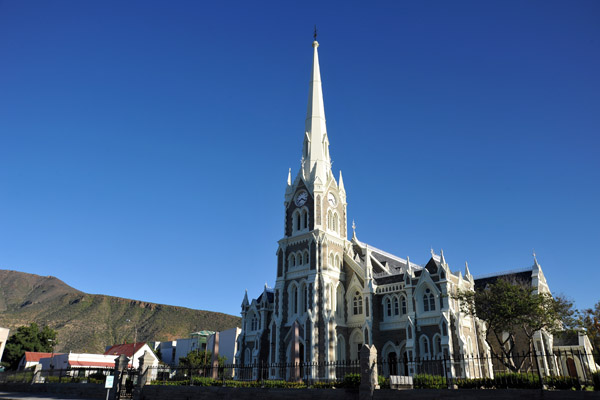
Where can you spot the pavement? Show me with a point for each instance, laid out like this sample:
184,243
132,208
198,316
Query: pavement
35,396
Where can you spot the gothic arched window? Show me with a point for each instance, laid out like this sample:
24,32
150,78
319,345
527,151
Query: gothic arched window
297,221
357,303
396,307
388,307
424,342
428,301
335,222
403,305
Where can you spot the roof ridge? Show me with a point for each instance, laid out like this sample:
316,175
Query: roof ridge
503,273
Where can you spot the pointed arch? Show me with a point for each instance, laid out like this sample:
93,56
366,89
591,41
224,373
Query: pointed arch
340,351
356,342
424,347
339,304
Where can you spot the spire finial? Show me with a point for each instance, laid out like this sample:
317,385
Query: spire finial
289,180
535,258
315,33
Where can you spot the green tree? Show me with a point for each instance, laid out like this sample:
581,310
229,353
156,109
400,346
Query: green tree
513,308
28,338
589,320
199,359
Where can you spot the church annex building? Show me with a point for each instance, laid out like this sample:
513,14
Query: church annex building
335,294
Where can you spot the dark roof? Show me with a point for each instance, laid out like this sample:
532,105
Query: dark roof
270,296
522,276
390,279
432,266
387,261
129,349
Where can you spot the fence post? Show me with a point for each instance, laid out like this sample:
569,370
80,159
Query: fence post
368,372
537,364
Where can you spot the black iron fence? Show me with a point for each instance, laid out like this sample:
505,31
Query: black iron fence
559,370
72,375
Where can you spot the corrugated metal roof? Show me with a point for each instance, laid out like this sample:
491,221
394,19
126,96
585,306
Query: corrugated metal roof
33,356
129,349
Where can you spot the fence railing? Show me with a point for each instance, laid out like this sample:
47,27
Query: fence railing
558,370
72,375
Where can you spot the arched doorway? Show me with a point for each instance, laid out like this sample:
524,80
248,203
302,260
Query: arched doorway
571,368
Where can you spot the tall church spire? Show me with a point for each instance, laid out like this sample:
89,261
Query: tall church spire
316,165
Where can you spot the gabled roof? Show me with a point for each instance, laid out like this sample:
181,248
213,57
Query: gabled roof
433,265
129,349
523,275
270,296
33,356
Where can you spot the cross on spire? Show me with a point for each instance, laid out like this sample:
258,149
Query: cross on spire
315,33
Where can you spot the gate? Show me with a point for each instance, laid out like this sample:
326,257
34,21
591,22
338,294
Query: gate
126,384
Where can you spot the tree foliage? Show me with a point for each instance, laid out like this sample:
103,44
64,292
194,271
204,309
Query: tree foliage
589,320
199,359
513,308
28,338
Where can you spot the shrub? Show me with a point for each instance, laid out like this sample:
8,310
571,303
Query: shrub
514,380
596,380
562,382
325,384
426,381
384,383
351,381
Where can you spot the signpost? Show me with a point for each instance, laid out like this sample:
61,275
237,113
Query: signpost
109,384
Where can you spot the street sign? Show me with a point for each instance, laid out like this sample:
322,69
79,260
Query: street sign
109,382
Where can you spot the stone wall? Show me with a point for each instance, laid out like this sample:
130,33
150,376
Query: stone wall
158,392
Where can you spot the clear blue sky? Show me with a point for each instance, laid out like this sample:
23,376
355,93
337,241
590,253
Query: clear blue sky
144,145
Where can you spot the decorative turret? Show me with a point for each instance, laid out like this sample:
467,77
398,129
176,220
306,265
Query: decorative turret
245,302
442,258
467,272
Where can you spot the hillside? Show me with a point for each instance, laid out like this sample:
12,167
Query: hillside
89,322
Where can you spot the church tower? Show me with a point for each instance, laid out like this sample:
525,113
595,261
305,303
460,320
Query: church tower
310,255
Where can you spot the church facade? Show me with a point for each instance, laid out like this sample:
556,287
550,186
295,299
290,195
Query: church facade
333,294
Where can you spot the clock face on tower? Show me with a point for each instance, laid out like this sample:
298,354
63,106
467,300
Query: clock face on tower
331,199
301,198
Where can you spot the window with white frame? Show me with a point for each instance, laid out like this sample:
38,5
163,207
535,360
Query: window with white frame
339,304
388,307
357,303
424,345
428,300
437,346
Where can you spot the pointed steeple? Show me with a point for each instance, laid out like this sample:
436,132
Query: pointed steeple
467,272
341,183
535,261
442,258
316,164
289,180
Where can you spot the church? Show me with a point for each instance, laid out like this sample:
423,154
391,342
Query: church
333,294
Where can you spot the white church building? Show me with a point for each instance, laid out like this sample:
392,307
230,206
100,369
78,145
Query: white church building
342,293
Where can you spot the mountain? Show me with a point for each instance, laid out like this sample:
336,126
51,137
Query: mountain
90,322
